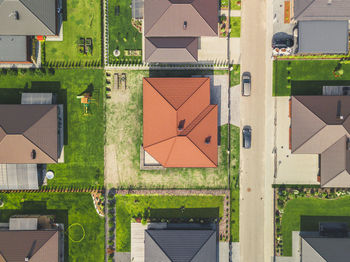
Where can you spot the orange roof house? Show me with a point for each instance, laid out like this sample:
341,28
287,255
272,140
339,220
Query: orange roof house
179,124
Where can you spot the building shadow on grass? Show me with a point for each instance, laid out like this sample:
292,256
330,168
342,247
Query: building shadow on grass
184,214
311,223
40,208
314,87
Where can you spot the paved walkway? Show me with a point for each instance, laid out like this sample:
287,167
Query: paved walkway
233,13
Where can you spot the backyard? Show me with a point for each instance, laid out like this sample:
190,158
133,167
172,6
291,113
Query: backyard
300,77
124,116
235,4
67,208
82,23
130,207
304,214
123,36
84,134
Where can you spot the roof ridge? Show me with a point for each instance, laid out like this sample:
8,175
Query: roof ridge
206,79
202,17
309,138
37,120
155,241
171,150
160,93
189,50
147,39
38,147
145,33
201,115
36,16
307,7
202,245
56,232
201,151
159,141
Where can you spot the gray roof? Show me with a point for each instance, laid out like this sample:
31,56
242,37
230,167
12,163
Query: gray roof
28,17
321,9
171,49
23,223
323,37
13,48
321,125
325,249
19,176
180,246
167,17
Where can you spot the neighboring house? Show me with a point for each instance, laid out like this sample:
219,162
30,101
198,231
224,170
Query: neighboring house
172,28
318,247
180,126
323,25
20,22
31,135
23,241
321,125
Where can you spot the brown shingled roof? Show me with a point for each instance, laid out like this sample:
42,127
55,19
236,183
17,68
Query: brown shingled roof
167,102
166,18
320,125
24,128
38,246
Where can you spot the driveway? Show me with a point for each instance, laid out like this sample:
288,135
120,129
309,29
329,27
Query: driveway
256,177
291,168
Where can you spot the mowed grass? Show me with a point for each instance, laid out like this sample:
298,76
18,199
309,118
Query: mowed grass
235,25
122,34
235,4
138,206
125,116
306,77
67,208
304,214
83,19
84,135
235,75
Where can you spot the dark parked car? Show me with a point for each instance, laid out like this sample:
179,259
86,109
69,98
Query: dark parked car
282,42
246,84
247,136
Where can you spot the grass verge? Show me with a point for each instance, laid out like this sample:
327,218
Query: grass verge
235,25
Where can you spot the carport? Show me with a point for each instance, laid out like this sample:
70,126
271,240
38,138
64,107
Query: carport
323,37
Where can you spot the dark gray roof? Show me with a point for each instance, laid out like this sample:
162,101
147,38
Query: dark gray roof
322,9
319,249
28,17
171,49
13,48
323,37
167,17
180,246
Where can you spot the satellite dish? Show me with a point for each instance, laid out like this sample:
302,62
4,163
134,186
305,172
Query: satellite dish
50,174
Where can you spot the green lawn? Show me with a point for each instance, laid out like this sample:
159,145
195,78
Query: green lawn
304,214
68,208
122,34
83,19
235,75
132,206
306,77
235,25
84,135
235,4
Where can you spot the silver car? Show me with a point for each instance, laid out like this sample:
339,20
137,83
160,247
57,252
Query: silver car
246,84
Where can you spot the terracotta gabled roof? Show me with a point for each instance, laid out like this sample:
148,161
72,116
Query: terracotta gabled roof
39,246
172,102
165,18
24,128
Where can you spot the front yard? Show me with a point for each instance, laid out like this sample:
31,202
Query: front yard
123,36
308,77
130,207
84,134
68,208
83,22
235,4
124,116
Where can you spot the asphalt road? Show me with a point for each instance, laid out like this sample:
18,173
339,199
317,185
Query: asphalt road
256,213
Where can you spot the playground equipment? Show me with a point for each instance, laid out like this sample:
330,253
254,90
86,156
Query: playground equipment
86,100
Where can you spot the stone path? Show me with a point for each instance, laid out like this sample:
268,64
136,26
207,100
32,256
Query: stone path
233,13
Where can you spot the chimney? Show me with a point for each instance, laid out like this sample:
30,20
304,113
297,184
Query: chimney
14,15
33,154
207,140
329,2
181,125
339,115
185,25
26,259
348,144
